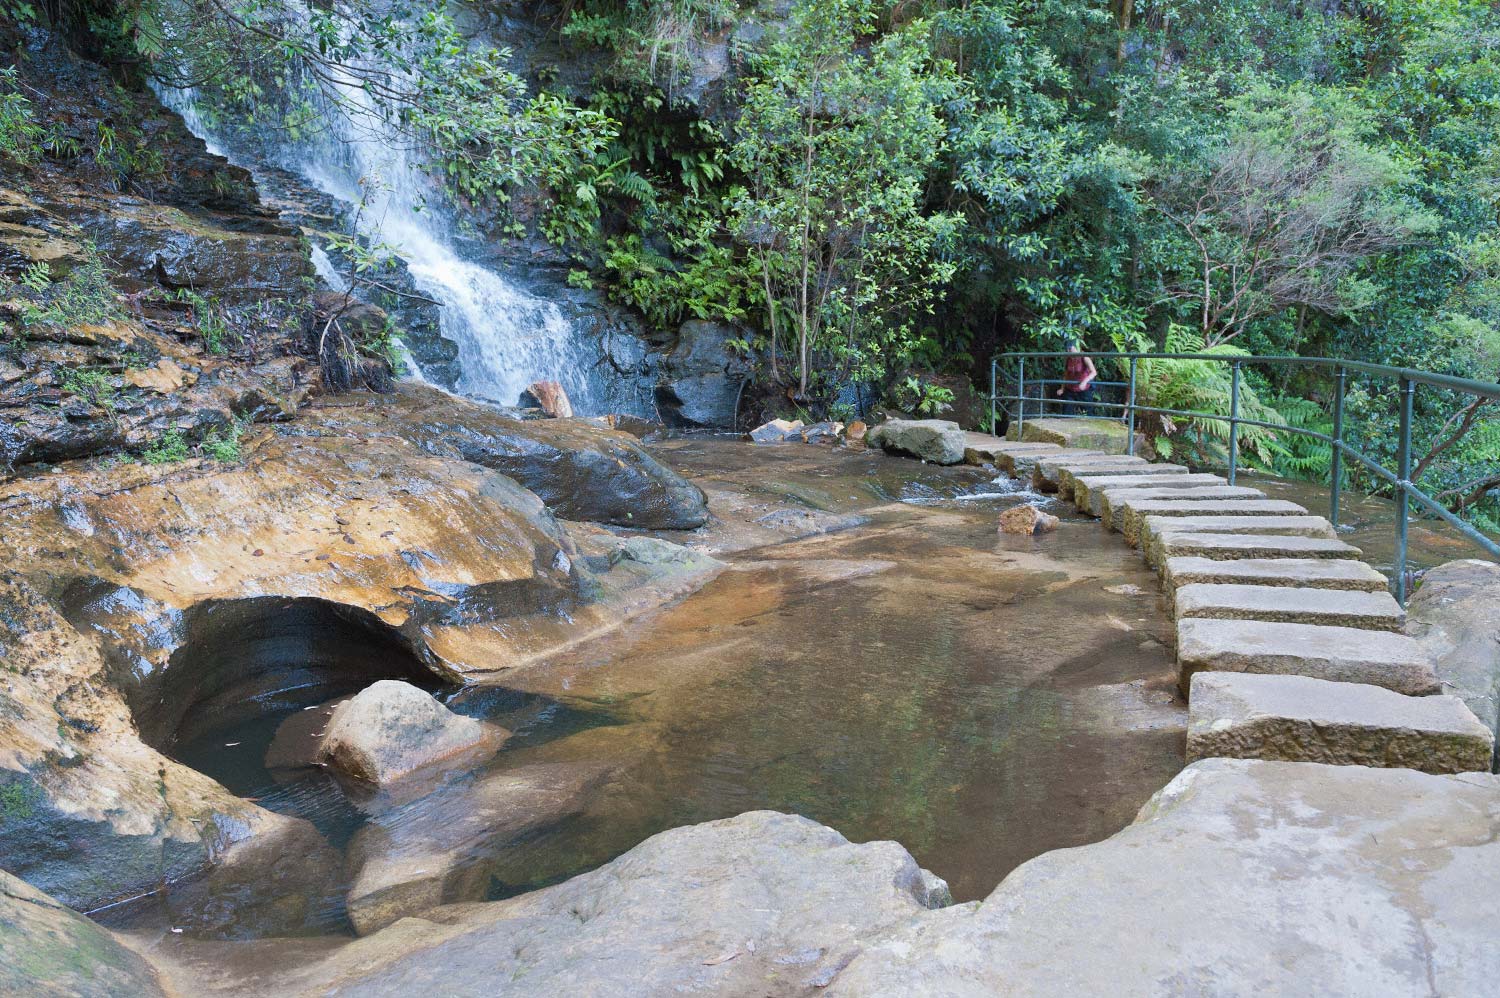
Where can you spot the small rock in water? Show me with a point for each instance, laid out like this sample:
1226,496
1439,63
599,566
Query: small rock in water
856,432
777,431
549,397
1026,520
393,728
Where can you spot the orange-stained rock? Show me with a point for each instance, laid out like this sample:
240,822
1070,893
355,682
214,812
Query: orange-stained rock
551,399
1026,520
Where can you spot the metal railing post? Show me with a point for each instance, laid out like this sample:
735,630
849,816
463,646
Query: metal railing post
994,415
1336,469
1234,421
1021,411
1403,500
1130,408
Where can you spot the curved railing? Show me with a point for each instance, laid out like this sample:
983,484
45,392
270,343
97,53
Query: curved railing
1406,379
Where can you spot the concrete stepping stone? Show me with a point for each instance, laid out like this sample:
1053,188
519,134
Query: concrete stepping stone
1319,573
1339,654
1300,719
1073,431
1088,489
1131,512
1153,529
1108,500
1334,607
1223,547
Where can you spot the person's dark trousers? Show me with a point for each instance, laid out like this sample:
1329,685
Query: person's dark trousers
1072,397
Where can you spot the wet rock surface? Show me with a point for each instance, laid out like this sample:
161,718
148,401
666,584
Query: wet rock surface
1238,878
583,471
1027,520
51,950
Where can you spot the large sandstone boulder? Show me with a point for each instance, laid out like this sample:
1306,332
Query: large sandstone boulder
760,904
393,729
50,950
935,440
1238,878
1455,616
581,470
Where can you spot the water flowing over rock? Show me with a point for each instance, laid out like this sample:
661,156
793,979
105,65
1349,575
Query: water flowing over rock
1239,878
393,729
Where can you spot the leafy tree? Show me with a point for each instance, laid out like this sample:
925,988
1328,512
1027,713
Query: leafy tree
1286,213
835,140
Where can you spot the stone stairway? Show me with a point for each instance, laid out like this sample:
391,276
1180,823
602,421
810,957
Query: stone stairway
1289,647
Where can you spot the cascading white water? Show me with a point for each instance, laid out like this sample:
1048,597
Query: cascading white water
507,338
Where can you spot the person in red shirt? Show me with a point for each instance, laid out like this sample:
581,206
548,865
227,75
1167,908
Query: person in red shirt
1079,374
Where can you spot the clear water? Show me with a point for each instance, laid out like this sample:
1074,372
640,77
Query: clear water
978,698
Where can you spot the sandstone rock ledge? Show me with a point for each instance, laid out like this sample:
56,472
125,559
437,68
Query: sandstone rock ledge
1238,878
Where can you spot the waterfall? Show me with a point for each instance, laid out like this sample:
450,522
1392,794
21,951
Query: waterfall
507,338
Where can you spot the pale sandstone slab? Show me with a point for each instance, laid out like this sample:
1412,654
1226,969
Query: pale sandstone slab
1455,615
1088,490
1106,502
1240,878
1154,529
1335,607
981,448
1024,465
1224,547
1321,573
1339,654
1300,719
1131,512
1068,475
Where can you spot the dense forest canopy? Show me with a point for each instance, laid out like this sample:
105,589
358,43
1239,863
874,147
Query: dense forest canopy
893,192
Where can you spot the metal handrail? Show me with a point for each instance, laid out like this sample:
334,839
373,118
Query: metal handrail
1407,380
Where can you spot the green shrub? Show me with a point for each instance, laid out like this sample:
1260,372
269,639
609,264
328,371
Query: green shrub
169,448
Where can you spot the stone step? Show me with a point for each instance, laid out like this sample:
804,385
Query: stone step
1024,465
1153,528
1088,489
981,448
1334,607
1131,512
1068,475
1339,654
1224,547
1301,719
1044,471
1320,573
1109,499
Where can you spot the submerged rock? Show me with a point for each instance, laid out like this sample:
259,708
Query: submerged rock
393,729
935,440
1026,520
438,849
50,950
1238,878
763,903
